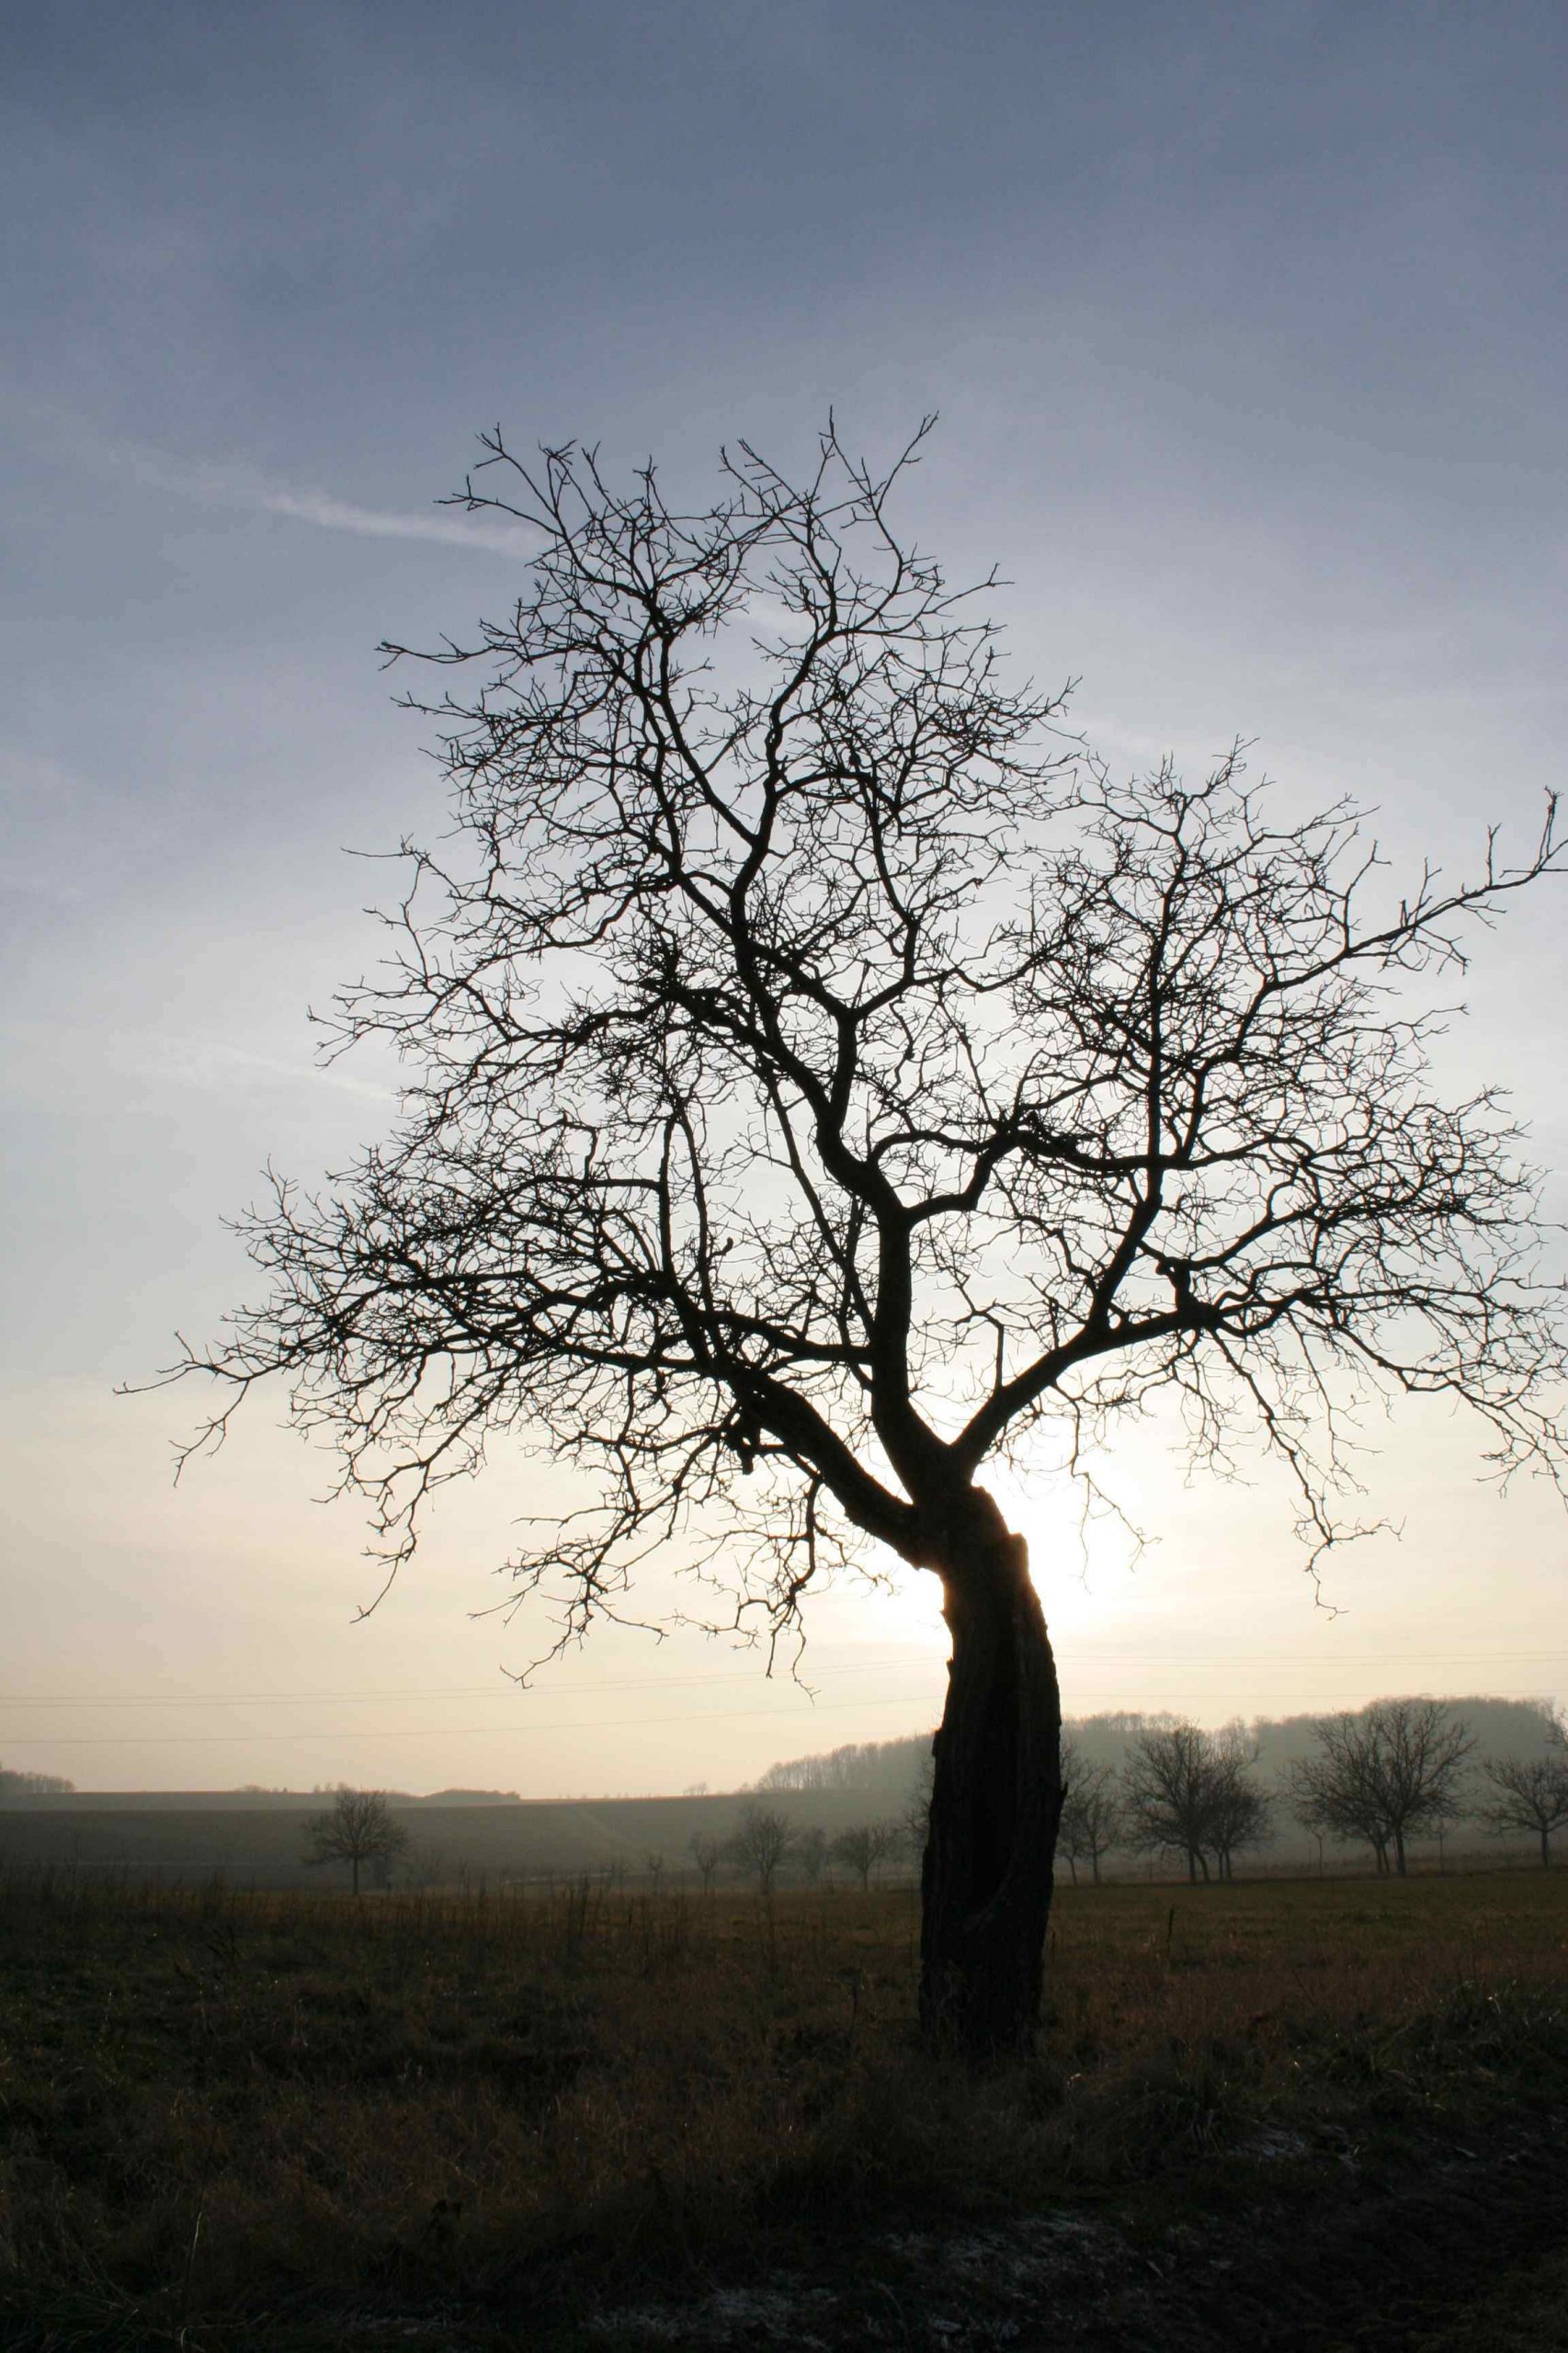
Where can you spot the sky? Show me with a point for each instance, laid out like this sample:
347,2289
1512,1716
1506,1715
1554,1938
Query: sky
1246,329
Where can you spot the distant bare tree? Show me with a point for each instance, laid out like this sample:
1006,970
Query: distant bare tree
1165,1793
1527,1794
1333,1796
357,1831
1189,1792
1241,1813
707,1854
811,1853
760,1844
824,1080
865,1845
654,1864
1387,1775
1093,1817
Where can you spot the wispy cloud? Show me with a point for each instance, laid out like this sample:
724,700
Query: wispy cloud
236,484
37,1052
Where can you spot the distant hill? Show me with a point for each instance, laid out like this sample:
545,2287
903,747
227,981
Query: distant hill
45,1791
468,1797
257,1836
875,1768
889,1768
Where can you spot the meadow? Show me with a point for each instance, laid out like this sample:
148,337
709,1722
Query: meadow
558,2117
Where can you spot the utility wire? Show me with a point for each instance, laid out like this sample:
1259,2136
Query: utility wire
429,1731
625,1723
1125,1661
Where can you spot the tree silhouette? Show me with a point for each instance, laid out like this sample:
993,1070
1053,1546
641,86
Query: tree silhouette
707,1854
1092,1811
823,1079
358,1830
811,1853
760,1844
1525,1793
1387,1775
1241,1814
865,1845
1186,1791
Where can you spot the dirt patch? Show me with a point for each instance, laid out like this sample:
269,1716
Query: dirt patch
1420,2262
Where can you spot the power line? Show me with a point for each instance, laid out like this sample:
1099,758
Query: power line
875,1660
429,1731
1128,1662
625,1723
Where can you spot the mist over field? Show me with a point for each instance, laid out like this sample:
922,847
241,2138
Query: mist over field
254,1837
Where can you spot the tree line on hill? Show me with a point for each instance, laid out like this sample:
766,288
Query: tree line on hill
17,1786
33,1788
1397,1772
1394,1772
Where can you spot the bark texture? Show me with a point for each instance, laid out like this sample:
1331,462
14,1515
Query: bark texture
995,1802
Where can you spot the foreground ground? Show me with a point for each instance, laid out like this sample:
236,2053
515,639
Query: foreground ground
1308,2115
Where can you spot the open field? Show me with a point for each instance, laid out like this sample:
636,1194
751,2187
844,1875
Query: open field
264,1844
175,1838
233,2119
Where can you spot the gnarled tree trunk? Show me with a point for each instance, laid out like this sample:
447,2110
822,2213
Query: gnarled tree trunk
996,1799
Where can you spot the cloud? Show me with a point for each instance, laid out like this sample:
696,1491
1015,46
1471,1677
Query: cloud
38,1052
236,484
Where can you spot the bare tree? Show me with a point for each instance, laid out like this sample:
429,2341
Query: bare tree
811,1853
1387,1775
707,1854
358,1830
823,1079
1334,1795
760,1844
1528,1793
1092,1811
1241,1813
864,1846
1178,1788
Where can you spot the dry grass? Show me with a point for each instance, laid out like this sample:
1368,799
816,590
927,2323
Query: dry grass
222,2112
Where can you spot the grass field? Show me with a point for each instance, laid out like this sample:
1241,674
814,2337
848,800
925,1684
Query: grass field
253,2120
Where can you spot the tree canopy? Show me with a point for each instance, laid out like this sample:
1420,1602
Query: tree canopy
1385,1774
820,1070
824,1077
359,1829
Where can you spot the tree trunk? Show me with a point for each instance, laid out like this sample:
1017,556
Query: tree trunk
1545,1851
995,1800
1398,1851
1095,1865
354,1866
